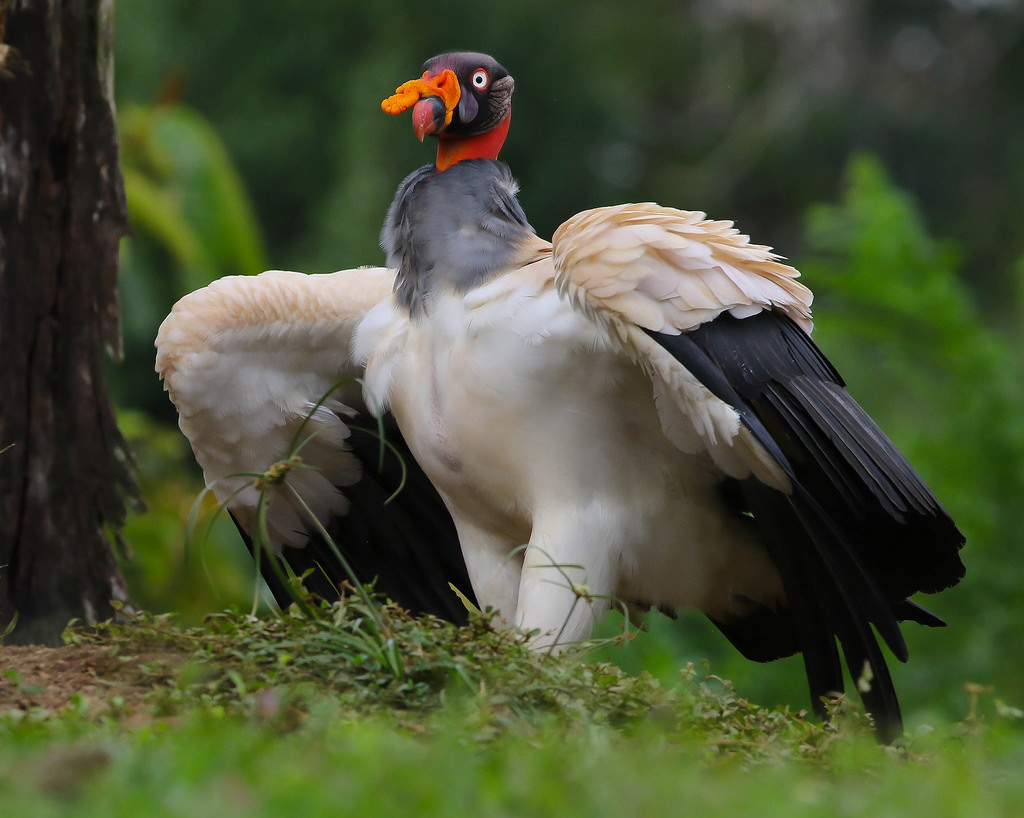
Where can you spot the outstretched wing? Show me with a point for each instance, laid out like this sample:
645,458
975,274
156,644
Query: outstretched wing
260,369
723,328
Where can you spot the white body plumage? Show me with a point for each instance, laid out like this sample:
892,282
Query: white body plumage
539,427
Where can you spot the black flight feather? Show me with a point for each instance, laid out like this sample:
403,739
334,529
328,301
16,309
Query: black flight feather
408,546
860,531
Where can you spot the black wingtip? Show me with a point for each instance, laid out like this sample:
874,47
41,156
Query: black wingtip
859,533
910,611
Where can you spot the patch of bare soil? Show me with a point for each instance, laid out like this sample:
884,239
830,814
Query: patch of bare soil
93,677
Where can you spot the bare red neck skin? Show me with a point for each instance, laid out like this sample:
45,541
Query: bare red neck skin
452,149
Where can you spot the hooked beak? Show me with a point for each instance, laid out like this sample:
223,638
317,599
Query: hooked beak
429,116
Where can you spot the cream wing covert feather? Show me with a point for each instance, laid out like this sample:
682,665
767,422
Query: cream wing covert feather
637,267
246,359
669,270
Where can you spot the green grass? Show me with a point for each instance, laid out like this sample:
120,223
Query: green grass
343,714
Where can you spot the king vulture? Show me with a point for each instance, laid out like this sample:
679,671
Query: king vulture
634,412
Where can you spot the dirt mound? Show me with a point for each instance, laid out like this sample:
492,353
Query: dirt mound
92,678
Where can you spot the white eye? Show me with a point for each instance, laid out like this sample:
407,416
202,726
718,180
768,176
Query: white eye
480,79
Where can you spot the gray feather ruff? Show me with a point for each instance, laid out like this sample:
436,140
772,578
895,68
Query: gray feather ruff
452,231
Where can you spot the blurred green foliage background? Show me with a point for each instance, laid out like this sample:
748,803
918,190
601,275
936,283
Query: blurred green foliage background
876,144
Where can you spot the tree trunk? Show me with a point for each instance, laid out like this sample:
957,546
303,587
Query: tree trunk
64,468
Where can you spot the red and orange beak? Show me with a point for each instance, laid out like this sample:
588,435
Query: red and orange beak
432,99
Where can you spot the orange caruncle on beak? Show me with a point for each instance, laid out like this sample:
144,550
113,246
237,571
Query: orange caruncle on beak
444,86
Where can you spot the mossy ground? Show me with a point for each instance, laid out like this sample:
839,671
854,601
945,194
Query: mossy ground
348,709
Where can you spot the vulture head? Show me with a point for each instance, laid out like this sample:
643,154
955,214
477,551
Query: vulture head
464,99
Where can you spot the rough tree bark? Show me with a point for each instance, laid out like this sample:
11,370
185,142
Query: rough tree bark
64,475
